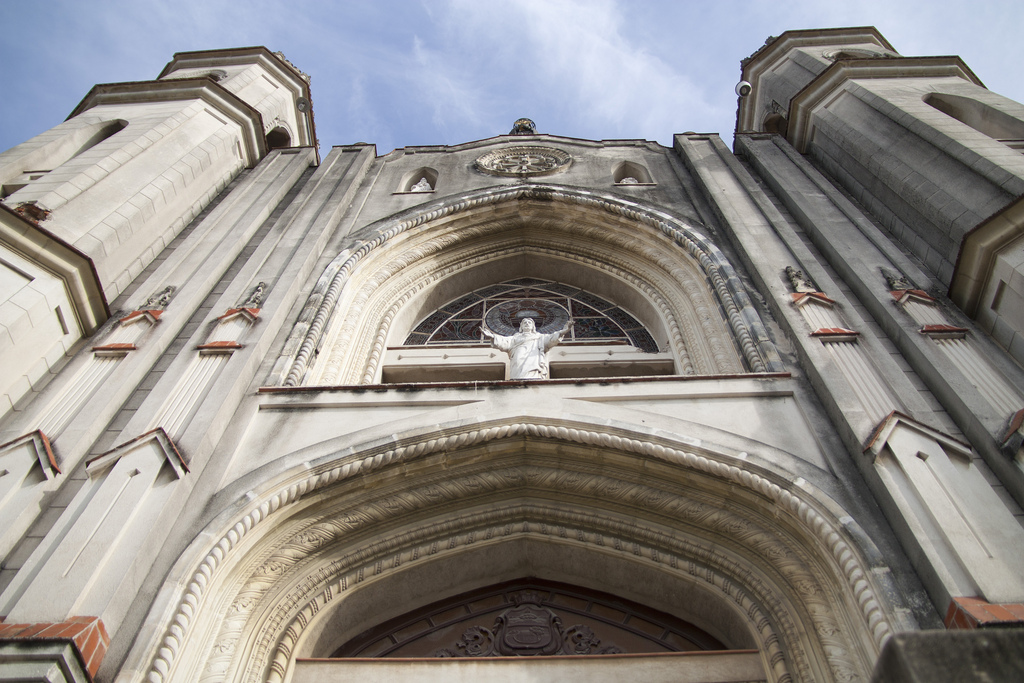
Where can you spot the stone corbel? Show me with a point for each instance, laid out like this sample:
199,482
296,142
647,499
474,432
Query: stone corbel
118,350
835,334
218,348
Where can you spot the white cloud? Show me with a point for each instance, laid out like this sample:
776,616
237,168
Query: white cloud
445,86
572,58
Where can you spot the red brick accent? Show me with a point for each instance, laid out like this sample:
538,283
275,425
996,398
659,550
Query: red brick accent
121,346
967,613
87,634
147,435
898,294
254,312
220,345
135,314
834,332
942,328
800,296
45,441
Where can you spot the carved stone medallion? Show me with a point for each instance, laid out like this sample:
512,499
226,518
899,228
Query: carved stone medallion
527,630
524,161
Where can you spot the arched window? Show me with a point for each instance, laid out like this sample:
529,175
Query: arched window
278,137
423,179
980,116
629,173
549,304
604,340
775,123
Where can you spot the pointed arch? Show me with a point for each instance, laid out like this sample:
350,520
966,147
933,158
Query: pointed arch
663,262
291,568
631,173
413,181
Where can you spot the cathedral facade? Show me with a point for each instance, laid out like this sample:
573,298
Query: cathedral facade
530,407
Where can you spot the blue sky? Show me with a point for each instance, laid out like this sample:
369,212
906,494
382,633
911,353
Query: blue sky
448,71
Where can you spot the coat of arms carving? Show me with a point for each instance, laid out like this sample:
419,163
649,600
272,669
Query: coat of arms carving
527,629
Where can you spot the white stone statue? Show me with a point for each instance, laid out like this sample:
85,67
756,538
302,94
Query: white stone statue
527,349
422,186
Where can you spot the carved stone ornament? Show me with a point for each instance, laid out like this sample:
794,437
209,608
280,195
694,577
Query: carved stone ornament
896,281
521,162
801,284
422,186
523,127
527,630
255,298
160,300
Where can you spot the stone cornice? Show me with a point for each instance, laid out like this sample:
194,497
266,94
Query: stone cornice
767,56
185,89
978,252
73,267
804,103
238,56
284,70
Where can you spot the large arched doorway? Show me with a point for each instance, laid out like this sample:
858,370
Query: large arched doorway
340,543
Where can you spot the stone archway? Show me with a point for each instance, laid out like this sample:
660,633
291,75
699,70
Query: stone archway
668,266
758,558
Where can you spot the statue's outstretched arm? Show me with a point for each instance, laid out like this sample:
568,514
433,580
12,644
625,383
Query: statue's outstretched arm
550,340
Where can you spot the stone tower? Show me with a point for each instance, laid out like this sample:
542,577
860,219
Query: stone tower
933,155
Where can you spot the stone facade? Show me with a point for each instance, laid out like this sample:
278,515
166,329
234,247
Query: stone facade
251,427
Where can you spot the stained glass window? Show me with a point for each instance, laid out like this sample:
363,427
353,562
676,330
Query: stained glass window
550,304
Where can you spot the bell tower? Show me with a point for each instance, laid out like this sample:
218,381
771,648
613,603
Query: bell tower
920,142
112,185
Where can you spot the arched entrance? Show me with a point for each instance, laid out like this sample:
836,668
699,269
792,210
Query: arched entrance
317,555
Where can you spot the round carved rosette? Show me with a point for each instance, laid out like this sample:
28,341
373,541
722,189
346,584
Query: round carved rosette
523,161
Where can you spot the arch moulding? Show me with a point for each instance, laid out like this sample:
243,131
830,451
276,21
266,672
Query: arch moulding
692,279
276,575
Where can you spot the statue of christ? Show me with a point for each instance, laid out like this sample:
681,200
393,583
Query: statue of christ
527,349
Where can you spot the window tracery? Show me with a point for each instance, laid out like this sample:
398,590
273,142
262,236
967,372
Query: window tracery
549,304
